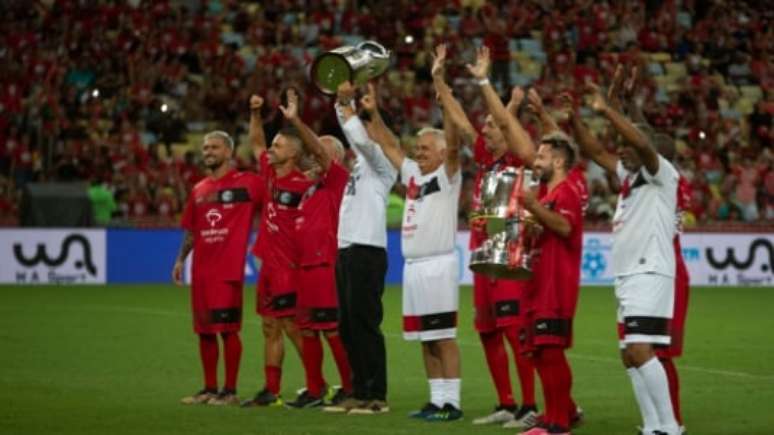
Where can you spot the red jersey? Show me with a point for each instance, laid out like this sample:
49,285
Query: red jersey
276,233
219,214
486,163
556,273
317,228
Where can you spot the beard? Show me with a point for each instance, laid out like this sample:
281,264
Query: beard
545,174
213,163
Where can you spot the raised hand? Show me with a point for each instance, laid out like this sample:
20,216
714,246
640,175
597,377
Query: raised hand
369,101
256,102
291,111
517,96
177,273
567,103
616,86
598,102
438,61
631,83
535,101
345,93
483,61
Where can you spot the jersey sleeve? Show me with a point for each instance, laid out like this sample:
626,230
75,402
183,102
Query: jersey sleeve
569,204
665,176
362,144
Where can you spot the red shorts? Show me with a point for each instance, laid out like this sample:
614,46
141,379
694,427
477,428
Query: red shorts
276,291
497,303
216,305
682,290
547,320
317,306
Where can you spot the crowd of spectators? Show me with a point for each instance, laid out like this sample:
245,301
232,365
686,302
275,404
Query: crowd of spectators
118,93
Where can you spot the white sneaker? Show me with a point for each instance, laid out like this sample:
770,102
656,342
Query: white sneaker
500,415
523,420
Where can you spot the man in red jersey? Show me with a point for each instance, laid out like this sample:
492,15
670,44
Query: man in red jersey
284,186
552,298
497,301
315,231
217,221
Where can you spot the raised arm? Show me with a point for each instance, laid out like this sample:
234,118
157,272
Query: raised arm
626,128
255,133
451,107
519,141
588,143
379,131
451,133
547,122
311,141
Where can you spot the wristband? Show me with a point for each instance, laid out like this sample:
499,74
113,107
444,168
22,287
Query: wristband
482,82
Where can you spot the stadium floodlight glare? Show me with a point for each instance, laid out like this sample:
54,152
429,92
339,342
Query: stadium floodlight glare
95,93
409,39
164,107
702,135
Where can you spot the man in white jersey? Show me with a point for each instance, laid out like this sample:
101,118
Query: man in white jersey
643,259
362,262
431,272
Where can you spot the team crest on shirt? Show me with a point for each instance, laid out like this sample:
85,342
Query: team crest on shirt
285,198
213,216
226,196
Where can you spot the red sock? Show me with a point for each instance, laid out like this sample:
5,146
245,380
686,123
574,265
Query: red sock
547,383
674,386
312,353
208,352
497,359
273,376
524,368
232,349
564,385
342,363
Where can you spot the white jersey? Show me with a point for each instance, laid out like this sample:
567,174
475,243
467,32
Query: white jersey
430,213
363,214
644,223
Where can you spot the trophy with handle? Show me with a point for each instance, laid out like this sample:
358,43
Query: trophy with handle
357,64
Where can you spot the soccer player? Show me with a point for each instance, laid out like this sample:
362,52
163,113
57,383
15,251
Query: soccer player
315,232
497,301
643,260
284,185
548,301
217,220
431,272
625,87
362,262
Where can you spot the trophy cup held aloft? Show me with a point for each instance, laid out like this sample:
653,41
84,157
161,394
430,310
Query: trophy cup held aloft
358,64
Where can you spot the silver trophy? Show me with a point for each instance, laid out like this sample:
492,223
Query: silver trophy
358,64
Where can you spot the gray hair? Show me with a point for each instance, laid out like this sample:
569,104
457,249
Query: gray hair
222,135
337,145
440,136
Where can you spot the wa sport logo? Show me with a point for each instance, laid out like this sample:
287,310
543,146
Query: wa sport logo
41,256
743,266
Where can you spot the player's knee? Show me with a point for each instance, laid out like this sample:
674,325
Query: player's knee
639,353
270,327
308,332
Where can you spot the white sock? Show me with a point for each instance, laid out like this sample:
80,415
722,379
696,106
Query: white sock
655,378
650,421
437,395
452,390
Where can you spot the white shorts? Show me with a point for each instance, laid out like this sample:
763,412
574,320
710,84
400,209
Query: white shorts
645,307
430,298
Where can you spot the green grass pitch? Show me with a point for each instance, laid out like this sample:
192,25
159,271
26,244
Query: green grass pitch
116,360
